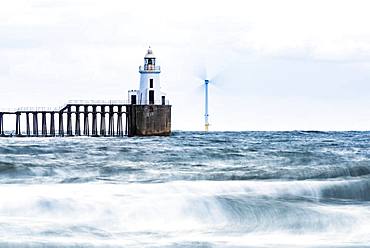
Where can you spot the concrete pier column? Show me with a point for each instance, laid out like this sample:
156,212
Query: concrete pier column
52,124
77,126
111,121
119,122
126,126
44,130
130,122
102,120
35,124
69,121
61,127
28,128
94,122
119,125
1,124
18,124
86,121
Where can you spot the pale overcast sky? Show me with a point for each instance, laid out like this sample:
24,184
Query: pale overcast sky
279,64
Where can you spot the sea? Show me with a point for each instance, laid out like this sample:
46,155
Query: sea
192,189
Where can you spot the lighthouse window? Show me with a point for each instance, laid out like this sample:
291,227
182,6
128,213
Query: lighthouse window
150,62
151,83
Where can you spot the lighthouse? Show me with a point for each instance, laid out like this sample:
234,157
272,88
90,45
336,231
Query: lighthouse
150,87
148,111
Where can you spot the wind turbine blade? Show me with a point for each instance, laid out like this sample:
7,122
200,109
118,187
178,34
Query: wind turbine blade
201,72
219,78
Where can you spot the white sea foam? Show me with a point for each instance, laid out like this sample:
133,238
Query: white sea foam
218,213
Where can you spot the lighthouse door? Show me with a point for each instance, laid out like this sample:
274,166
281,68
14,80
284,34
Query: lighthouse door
133,99
151,96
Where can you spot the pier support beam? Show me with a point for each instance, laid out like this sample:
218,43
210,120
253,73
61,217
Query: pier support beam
28,128
126,126
61,127
111,121
78,126
86,121
69,121
94,122
44,130
18,124
119,122
102,120
52,124
35,127
1,124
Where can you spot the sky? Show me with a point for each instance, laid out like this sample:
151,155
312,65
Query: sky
273,65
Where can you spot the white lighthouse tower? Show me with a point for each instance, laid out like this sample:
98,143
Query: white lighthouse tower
150,88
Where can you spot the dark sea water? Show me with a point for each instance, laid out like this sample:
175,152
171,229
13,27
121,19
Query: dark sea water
222,189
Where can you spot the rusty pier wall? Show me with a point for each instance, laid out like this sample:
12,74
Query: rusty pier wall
148,120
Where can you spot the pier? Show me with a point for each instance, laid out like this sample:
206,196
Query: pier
140,120
146,113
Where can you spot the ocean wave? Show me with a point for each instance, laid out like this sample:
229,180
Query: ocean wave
114,212
217,189
105,213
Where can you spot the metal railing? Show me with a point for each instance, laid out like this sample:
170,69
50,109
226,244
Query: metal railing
39,109
31,109
149,68
159,102
116,102
82,102
102,102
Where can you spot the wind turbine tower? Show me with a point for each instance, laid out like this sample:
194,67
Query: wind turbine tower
206,123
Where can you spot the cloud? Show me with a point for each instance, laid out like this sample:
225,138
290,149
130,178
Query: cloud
272,57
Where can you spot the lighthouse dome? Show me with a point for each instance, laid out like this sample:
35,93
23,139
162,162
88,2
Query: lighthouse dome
149,54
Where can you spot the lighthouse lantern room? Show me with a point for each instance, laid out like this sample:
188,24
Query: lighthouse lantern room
150,88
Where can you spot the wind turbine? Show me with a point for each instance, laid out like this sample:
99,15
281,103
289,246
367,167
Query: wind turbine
206,122
206,83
